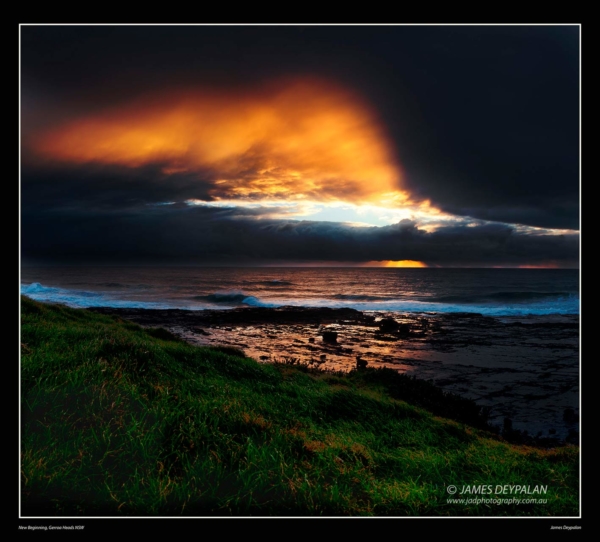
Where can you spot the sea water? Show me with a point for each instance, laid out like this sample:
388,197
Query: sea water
492,292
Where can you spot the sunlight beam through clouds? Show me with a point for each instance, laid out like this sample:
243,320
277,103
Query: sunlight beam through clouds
352,214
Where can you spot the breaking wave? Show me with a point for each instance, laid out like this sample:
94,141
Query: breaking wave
508,297
83,298
495,304
359,297
234,297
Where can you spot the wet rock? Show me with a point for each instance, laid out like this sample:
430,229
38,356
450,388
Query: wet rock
361,363
435,349
329,336
404,330
572,437
569,415
388,325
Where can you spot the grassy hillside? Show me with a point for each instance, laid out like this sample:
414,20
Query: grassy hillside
121,420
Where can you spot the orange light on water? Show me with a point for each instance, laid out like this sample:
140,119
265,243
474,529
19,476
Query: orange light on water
549,265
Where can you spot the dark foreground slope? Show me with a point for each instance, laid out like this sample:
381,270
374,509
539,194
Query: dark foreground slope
121,420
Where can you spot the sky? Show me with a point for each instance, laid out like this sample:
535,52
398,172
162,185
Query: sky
364,145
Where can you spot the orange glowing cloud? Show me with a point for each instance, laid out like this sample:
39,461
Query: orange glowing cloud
301,139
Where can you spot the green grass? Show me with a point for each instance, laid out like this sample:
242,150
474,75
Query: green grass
121,420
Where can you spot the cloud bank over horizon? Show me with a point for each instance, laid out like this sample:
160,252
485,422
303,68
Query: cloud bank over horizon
362,145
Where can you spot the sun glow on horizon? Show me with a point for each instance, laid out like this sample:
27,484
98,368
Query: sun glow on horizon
395,263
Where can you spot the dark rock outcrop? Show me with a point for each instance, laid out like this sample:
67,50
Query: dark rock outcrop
388,325
330,336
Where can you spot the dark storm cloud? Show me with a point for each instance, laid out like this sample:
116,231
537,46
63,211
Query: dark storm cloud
499,109
92,188
484,120
207,235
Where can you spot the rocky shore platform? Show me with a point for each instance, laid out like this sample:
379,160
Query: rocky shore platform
524,369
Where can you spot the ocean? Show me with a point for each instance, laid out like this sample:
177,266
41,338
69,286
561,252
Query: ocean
491,292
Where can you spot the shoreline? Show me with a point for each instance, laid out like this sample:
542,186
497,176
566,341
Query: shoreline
524,369
129,411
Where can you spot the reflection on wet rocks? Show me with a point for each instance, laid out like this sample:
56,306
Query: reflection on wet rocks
525,369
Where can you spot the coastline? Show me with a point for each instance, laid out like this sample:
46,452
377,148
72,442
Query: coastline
156,426
525,370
